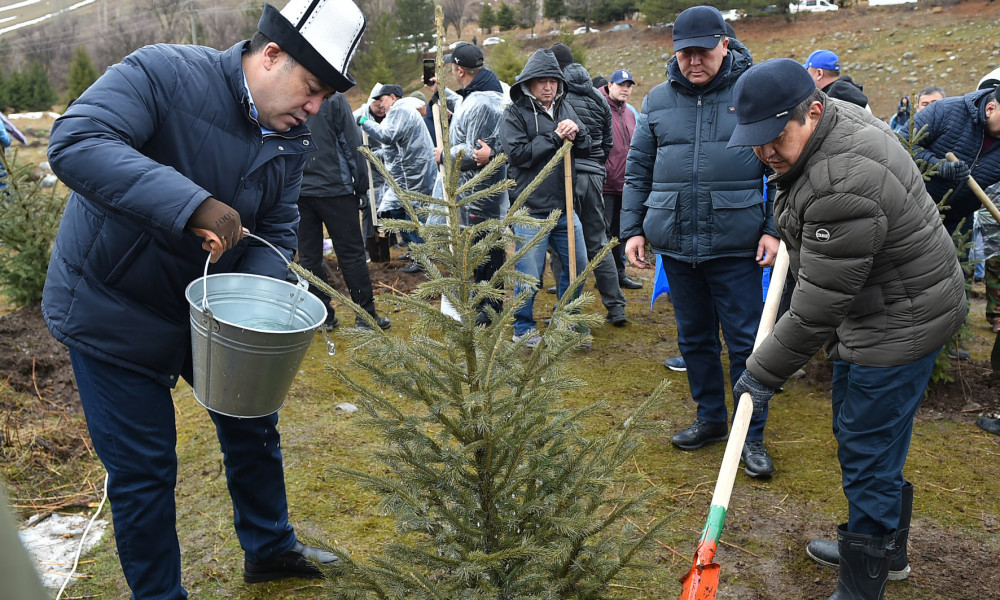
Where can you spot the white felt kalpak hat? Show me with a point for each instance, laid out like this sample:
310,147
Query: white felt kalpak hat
321,35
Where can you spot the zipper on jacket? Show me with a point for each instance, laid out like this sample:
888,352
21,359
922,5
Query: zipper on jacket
694,183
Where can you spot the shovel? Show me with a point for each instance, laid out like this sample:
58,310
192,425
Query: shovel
568,175
702,581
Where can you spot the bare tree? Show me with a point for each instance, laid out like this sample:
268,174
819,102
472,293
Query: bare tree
453,11
170,15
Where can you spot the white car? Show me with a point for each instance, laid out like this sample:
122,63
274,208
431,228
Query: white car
731,15
584,29
812,6
492,41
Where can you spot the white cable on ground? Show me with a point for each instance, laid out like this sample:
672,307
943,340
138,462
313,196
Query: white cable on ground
83,538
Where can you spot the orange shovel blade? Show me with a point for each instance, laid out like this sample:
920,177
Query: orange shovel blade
701,582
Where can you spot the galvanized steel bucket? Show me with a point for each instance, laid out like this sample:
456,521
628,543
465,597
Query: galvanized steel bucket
249,334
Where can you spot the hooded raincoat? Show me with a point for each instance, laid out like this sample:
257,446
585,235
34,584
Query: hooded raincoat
408,151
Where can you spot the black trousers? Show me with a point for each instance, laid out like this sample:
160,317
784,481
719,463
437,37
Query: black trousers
612,222
340,215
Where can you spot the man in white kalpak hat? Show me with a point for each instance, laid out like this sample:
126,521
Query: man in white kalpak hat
172,153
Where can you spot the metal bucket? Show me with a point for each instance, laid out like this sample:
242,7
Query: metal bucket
249,334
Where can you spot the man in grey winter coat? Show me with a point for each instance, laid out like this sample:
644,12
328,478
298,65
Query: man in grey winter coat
700,205
878,286
595,113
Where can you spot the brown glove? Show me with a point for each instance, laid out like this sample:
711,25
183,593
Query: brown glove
219,224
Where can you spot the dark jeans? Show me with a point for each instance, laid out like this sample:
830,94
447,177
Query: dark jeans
589,206
873,410
340,215
612,223
721,291
131,422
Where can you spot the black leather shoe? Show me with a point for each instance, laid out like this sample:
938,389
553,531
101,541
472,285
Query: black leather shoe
629,284
297,562
331,322
413,267
551,290
756,461
960,354
383,322
699,434
617,319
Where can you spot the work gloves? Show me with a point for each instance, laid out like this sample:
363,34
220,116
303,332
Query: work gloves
362,119
219,224
759,393
953,171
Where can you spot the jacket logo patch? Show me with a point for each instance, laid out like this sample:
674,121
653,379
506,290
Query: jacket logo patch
822,235
732,110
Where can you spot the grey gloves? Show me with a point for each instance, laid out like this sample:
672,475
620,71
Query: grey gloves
953,171
759,393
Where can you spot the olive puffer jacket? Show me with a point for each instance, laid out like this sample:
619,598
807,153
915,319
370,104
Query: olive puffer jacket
877,276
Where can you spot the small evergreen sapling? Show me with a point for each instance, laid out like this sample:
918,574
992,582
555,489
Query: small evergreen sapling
496,490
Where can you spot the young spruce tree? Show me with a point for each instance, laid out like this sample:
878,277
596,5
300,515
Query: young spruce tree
496,491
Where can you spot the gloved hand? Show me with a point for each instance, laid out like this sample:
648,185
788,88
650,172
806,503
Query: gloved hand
759,393
362,119
953,171
219,224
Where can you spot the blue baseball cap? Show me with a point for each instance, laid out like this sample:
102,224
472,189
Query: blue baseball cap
699,26
823,59
621,76
765,97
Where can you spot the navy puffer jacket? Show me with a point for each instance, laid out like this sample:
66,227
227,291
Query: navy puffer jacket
690,196
145,145
958,125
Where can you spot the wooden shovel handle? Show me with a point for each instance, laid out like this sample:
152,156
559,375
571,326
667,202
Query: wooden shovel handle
568,175
978,191
744,408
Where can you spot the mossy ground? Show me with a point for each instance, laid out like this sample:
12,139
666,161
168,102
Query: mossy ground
952,464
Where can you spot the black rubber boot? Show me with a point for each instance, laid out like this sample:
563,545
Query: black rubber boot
826,552
864,565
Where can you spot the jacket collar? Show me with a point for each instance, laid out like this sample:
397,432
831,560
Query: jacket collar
485,81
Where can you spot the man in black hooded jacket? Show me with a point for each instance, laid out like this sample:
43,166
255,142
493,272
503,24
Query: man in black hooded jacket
534,127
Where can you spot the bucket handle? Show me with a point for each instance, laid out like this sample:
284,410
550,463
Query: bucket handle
301,284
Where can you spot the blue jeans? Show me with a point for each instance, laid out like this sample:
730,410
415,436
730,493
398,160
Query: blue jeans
131,422
534,262
721,291
873,410
408,237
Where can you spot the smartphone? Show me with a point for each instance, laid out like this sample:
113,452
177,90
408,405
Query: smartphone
428,71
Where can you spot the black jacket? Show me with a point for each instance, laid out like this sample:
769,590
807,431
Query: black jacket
846,89
529,139
333,169
594,112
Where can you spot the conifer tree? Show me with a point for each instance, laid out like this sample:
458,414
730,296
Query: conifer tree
495,489
81,72
27,231
487,18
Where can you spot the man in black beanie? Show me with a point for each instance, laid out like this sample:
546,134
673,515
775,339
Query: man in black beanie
879,286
